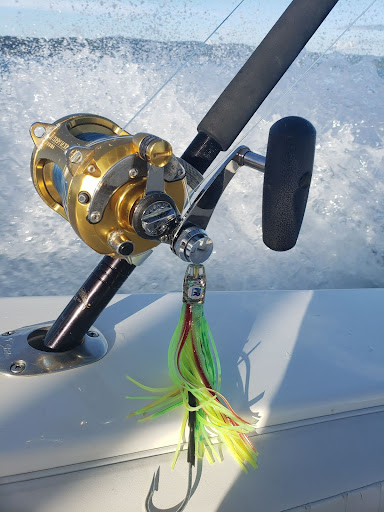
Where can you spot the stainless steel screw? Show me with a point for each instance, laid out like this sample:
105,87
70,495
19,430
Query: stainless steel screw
76,157
92,334
95,216
8,333
18,367
39,131
83,197
133,173
180,172
91,169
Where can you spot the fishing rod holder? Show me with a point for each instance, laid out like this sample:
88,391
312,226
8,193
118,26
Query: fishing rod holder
24,353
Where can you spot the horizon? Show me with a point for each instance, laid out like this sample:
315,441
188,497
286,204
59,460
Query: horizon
171,21
86,40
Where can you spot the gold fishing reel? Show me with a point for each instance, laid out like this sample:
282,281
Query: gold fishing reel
121,193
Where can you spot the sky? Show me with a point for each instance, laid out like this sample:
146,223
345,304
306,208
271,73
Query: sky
185,20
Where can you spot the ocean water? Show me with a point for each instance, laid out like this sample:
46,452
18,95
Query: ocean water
341,244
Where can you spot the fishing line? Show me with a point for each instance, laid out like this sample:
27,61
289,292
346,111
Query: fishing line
238,141
182,66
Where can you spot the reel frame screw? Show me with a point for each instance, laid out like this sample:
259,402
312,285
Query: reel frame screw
39,131
83,197
95,217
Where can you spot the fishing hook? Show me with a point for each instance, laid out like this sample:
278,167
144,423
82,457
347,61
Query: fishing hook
150,507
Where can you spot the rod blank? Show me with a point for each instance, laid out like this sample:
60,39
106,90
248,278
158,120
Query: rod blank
84,308
263,70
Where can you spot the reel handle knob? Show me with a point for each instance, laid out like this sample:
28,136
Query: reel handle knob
287,177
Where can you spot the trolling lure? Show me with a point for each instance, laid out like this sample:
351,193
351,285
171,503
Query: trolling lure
194,368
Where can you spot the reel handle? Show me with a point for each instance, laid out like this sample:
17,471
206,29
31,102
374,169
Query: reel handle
287,177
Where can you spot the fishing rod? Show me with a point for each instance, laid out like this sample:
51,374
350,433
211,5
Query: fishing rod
124,194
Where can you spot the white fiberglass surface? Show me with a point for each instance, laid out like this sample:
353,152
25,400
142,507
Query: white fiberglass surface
287,357
110,57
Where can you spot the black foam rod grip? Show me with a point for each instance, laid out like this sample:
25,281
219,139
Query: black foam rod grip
263,70
287,177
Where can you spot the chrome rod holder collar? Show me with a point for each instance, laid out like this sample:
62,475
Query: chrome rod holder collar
22,352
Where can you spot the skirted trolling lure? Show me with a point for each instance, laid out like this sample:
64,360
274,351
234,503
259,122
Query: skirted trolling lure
194,368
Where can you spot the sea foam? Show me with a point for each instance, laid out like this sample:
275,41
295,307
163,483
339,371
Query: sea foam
341,243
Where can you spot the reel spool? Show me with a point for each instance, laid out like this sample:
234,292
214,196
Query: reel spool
121,193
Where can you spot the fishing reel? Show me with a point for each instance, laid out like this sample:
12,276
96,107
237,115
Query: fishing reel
124,194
